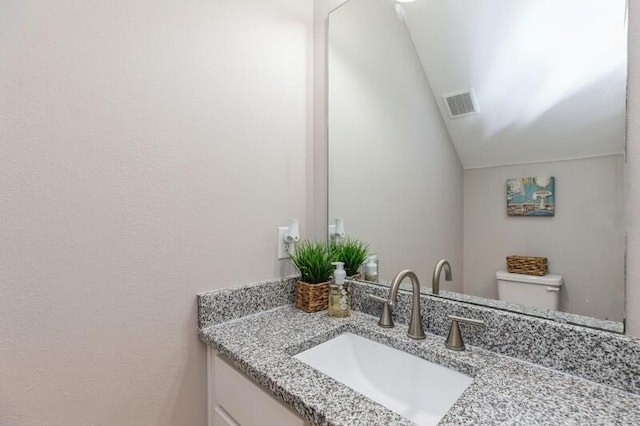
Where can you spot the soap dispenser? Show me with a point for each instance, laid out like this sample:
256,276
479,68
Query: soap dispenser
339,293
371,269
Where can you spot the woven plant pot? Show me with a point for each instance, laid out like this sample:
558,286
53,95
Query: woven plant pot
312,297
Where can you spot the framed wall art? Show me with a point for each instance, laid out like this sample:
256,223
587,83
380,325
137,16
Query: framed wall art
532,196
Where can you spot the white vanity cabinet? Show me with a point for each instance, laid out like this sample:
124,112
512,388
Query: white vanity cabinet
234,399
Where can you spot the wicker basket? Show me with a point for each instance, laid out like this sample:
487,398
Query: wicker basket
312,297
527,265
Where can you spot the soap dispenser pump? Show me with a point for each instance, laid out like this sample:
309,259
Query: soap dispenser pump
339,293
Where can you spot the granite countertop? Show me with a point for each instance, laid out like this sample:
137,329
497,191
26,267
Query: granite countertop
504,390
559,316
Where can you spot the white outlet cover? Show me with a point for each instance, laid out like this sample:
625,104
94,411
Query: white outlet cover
282,253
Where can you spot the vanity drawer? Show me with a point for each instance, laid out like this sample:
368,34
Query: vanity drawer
246,402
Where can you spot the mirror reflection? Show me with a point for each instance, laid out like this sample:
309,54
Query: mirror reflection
434,105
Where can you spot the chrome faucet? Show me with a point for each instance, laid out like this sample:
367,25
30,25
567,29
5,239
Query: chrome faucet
416,330
444,263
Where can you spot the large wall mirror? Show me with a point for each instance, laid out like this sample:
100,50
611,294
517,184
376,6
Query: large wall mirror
536,88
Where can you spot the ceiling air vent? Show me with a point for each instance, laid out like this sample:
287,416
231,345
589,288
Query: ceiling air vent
461,103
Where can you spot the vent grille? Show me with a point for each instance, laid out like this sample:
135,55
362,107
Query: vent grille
460,104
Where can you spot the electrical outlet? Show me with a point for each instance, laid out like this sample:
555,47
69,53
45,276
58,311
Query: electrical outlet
282,246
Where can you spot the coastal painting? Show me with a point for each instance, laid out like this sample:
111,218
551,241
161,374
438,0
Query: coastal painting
532,196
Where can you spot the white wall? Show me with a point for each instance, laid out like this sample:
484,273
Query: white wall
394,173
584,240
148,151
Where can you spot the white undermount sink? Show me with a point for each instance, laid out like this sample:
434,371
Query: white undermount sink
416,389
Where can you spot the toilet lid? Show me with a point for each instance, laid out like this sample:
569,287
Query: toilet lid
549,279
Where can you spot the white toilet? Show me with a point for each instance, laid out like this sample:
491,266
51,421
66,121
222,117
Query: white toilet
530,290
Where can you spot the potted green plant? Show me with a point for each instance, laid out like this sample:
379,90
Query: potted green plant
352,252
313,260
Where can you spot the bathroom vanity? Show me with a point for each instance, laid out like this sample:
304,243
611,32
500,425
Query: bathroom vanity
253,333
234,399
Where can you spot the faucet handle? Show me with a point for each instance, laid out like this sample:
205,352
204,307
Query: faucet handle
386,321
378,298
454,339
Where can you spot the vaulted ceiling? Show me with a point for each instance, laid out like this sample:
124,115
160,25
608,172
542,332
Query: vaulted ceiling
549,75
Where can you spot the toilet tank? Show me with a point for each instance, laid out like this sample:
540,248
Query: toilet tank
530,290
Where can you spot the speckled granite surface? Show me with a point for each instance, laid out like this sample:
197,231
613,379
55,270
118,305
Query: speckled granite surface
226,304
596,355
558,316
505,391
